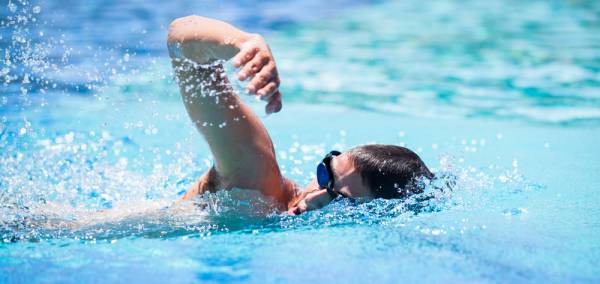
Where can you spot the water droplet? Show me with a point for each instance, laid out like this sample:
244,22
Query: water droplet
37,9
69,137
503,179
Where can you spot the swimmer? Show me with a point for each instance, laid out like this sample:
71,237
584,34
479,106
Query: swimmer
241,146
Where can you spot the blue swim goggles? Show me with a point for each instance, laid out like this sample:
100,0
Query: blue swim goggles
325,174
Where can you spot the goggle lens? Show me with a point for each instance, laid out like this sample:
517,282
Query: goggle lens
322,175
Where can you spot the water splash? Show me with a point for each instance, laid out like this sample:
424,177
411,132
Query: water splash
103,184
86,187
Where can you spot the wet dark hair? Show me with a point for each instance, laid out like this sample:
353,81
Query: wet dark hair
390,171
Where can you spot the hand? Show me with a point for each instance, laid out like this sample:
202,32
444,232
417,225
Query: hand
257,63
311,200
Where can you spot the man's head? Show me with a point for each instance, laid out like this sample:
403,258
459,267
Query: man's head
368,171
389,171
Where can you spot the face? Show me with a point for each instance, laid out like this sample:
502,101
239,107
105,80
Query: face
347,180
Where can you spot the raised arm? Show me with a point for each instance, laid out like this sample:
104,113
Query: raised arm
243,151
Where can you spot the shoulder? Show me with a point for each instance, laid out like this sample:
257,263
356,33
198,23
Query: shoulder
208,182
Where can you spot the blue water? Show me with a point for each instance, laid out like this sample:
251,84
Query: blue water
500,97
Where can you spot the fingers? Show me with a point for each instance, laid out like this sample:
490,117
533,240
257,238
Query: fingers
267,91
275,104
258,64
244,55
253,66
264,77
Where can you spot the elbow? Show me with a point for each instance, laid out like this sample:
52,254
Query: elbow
183,29
198,39
176,36
184,33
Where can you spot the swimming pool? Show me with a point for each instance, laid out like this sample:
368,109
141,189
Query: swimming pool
502,96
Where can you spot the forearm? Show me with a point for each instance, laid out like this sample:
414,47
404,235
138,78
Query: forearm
207,94
232,131
204,40
243,151
239,142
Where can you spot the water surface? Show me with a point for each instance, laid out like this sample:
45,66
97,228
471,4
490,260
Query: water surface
501,97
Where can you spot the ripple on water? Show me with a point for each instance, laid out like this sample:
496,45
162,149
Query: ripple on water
82,187
451,59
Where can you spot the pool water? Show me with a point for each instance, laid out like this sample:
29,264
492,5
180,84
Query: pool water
500,98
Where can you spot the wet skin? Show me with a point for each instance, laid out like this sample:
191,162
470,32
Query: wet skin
348,182
243,151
